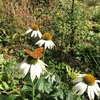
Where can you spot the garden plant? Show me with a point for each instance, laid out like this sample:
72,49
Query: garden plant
49,50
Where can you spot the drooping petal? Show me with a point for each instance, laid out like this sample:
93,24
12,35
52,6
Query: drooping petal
40,42
32,72
34,34
25,70
38,70
42,64
97,87
22,65
45,45
95,90
39,33
49,44
28,31
47,76
90,93
77,87
52,44
53,79
80,88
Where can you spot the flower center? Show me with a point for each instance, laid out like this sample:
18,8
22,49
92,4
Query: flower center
35,27
51,75
31,60
46,36
89,79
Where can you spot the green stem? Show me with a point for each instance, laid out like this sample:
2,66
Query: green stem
18,92
33,90
43,54
94,59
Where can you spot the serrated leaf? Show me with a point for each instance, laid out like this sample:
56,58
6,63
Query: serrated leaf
47,88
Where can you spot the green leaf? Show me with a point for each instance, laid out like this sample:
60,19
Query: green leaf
5,85
26,88
1,59
2,97
11,97
38,96
47,88
40,84
1,88
61,94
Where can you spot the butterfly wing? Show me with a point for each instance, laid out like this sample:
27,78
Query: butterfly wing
36,54
29,52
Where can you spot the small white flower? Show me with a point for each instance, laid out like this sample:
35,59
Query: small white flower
35,69
51,78
87,82
46,41
34,30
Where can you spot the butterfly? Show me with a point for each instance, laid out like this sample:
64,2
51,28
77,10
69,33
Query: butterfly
37,53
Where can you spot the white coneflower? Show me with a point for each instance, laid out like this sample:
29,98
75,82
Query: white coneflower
46,40
86,82
32,64
51,78
34,30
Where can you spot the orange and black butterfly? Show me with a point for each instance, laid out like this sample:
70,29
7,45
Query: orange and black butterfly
37,53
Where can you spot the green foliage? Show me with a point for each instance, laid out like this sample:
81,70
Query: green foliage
75,27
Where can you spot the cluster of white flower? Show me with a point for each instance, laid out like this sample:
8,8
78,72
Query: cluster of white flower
36,67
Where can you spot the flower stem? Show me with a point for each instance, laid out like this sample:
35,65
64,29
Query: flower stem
33,90
43,54
18,92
